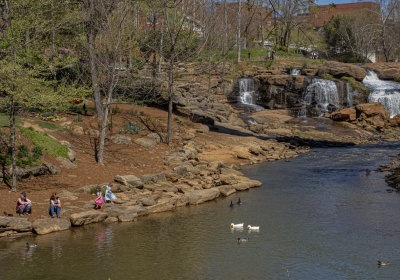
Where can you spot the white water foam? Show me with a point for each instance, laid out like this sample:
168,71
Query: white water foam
246,93
323,93
385,92
295,72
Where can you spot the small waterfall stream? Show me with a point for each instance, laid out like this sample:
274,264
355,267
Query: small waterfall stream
321,93
349,95
295,71
246,94
385,92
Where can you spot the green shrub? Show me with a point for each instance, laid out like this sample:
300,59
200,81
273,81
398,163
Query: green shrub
78,118
37,152
24,158
45,142
132,128
23,151
179,121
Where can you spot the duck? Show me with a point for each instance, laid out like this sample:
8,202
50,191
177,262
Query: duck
236,225
31,245
383,263
231,205
249,227
242,240
239,202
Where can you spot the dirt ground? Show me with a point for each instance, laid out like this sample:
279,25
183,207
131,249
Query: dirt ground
119,159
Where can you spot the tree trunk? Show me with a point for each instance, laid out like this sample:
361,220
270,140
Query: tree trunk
161,47
102,136
385,52
262,27
13,150
91,36
224,46
154,63
170,99
53,48
238,35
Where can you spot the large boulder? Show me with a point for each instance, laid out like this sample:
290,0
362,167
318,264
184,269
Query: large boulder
146,142
87,217
200,196
15,224
368,110
122,210
339,70
71,155
66,163
227,190
121,139
131,180
161,207
153,177
345,115
45,169
245,184
47,225
386,70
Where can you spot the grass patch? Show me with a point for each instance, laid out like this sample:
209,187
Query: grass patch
291,54
326,76
5,120
48,144
47,125
355,84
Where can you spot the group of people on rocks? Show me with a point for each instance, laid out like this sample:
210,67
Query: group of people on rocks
24,204
108,195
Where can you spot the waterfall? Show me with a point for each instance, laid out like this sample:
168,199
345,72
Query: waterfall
349,95
246,93
295,72
322,93
385,92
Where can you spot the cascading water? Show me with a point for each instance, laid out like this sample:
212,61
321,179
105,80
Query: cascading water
322,93
385,92
246,94
349,95
295,72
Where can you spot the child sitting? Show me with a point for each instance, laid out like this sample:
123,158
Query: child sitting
109,196
99,201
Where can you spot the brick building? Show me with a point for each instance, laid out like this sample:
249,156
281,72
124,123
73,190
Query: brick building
318,15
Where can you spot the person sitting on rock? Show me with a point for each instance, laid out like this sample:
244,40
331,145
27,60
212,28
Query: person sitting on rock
109,196
24,205
99,201
55,205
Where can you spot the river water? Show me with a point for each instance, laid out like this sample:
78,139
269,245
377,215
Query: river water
320,216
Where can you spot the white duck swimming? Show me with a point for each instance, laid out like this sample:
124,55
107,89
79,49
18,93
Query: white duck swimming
236,225
241,240
31,245
255,228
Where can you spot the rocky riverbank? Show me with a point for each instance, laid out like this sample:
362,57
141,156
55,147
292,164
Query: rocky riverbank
201,165
200,171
